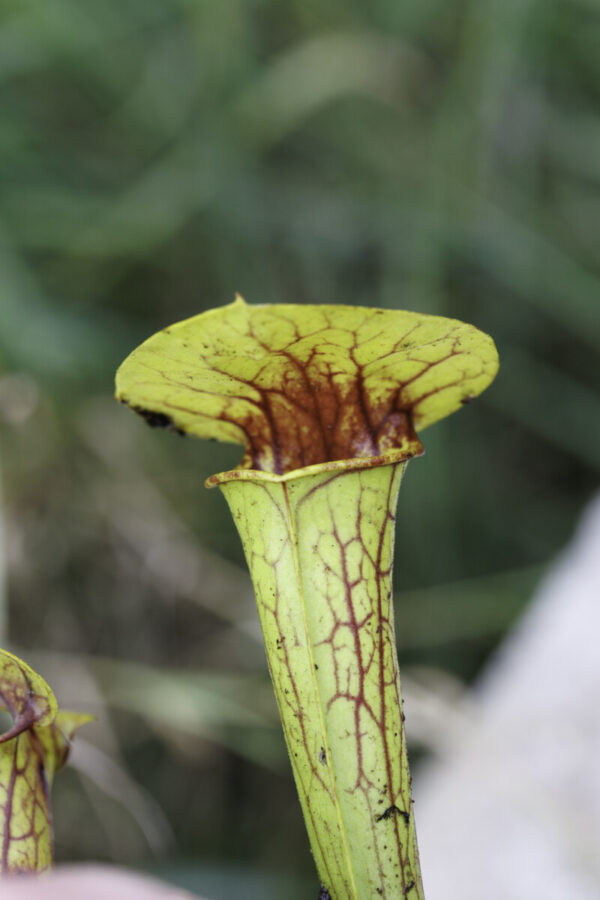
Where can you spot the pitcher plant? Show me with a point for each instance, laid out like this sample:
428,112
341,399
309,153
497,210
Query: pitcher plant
32,750
327,401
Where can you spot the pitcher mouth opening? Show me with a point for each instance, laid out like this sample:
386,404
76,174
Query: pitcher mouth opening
390,457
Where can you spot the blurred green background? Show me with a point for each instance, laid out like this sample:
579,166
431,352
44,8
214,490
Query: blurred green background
155,157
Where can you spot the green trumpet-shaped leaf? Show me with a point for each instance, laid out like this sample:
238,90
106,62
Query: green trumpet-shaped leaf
31,752
303,385
326,401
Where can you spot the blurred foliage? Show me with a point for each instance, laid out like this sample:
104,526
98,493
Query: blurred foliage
158,155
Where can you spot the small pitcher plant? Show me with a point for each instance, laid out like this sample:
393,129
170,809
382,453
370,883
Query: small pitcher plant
31,752
326,401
